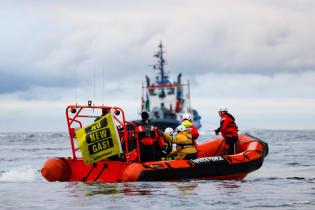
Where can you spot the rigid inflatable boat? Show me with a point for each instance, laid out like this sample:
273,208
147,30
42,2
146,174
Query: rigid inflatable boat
211,163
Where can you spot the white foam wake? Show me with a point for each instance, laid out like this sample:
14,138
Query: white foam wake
21,174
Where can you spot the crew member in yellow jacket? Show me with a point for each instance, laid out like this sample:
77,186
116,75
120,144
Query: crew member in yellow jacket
185,149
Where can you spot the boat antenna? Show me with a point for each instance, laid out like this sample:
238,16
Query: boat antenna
103,85
93,83
142,97
189,108
76,82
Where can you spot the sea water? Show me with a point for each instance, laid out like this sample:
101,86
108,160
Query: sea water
285,181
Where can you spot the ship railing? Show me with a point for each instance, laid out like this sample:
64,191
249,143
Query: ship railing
78,116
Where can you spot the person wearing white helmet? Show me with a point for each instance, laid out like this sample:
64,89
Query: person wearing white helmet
228,130
168,134
187,116
185,148
167,137
169,131
187,122
181,128
222,109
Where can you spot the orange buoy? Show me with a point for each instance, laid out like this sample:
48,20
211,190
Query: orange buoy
132,173
56,169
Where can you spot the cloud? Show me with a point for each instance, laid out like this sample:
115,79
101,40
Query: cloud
276,87
251,52
200,36
11,82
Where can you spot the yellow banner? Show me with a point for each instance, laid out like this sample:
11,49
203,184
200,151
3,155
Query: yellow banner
99,140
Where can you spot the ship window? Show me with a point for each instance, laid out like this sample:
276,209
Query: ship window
161,93
152,92
170,91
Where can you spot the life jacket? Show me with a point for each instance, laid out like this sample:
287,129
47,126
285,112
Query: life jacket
228,127
147,134
150,142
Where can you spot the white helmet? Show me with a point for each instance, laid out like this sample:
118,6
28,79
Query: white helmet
181,128
222,109
187,116
169,131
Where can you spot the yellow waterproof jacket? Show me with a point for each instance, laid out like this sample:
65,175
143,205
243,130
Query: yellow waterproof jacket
168,138
184,145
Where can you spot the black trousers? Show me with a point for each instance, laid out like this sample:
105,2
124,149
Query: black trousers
232,142
149,153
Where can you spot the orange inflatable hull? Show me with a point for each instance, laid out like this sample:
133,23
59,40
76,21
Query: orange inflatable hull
210,164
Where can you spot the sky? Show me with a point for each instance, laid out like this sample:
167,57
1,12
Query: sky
256,57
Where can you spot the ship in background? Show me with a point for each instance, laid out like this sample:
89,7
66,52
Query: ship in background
164,100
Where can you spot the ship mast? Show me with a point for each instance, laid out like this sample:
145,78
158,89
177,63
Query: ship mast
162,78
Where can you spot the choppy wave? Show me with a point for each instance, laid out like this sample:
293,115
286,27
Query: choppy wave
264,179
20,174
287,205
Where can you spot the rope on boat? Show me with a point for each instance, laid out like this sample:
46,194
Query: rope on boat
104,166
89,173
218,147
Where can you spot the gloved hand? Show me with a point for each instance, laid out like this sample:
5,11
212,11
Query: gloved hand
164,151
160,132
216,132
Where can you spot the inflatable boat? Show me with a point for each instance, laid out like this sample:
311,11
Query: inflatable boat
211,163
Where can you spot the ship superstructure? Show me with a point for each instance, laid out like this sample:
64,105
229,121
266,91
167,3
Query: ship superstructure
166,101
